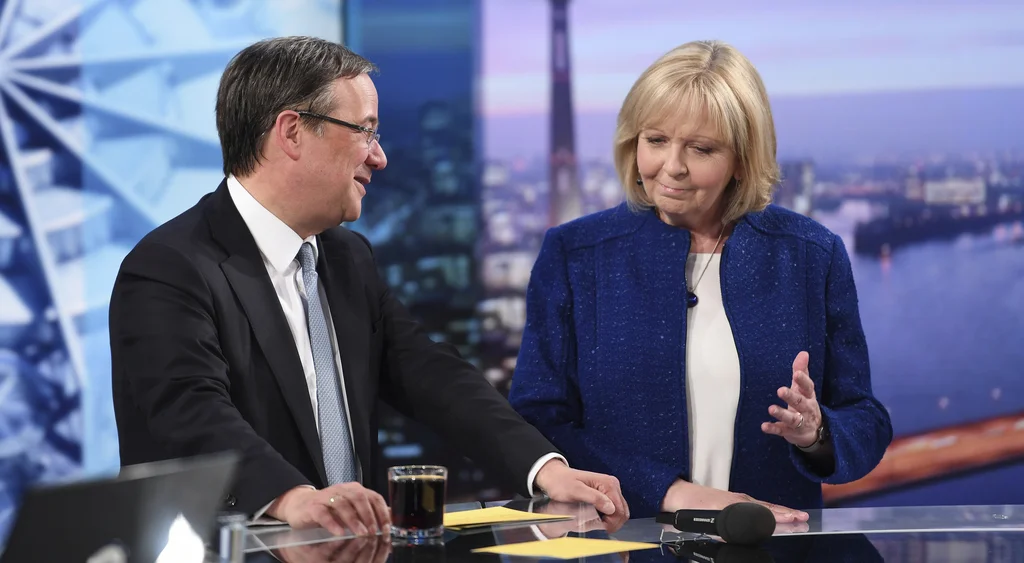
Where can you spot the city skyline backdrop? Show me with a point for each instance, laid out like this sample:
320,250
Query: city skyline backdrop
846,81
898,127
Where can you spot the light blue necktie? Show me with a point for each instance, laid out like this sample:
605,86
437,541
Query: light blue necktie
334,434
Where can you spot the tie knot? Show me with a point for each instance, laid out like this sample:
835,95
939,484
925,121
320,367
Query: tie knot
306,259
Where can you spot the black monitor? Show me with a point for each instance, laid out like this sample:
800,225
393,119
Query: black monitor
135,512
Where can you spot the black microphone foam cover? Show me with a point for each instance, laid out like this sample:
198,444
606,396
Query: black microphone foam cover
745,523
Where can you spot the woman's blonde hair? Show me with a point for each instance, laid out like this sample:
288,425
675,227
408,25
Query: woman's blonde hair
713,81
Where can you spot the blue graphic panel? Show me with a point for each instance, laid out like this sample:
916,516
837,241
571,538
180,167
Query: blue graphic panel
421,212
107,127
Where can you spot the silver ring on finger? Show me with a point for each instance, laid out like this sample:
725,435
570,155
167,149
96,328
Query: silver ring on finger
331,500
801,423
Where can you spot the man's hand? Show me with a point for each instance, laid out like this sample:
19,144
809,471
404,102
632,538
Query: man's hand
337,508
563,484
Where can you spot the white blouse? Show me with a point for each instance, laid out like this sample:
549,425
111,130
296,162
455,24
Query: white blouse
712,377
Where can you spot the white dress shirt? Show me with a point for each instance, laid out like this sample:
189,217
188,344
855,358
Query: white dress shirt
279,246
712,377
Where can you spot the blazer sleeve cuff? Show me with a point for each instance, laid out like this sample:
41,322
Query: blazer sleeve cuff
259,519
532,476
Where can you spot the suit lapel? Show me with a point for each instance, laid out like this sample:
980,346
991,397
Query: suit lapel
248,277
336,269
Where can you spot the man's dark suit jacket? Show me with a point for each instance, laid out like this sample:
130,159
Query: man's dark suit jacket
204,361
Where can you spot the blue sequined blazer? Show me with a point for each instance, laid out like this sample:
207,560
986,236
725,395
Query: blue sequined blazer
601,367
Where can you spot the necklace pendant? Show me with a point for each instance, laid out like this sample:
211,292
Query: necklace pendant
691,299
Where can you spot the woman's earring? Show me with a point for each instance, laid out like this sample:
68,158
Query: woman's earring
639,181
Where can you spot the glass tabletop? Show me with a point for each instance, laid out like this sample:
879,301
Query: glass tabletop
937,533
880,520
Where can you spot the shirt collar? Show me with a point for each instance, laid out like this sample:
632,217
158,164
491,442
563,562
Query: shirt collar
277,242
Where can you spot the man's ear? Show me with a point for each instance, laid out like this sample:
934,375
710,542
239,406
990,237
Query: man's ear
287,133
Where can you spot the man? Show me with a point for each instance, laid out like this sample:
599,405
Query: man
254,322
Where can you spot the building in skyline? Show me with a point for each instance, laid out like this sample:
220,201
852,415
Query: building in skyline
564,188
795,191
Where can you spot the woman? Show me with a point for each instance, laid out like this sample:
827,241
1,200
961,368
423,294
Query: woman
701,345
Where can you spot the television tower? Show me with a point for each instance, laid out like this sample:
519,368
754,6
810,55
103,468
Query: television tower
563,189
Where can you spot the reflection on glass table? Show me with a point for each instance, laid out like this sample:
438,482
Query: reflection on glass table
263,538
973,547
901,519
936,533
372,549
920,518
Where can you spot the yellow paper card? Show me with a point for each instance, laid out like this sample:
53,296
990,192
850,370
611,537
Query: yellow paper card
495,515
566,548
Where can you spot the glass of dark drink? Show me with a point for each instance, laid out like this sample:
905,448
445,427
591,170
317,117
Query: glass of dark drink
416,494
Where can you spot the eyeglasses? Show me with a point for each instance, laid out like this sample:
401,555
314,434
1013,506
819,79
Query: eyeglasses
371,134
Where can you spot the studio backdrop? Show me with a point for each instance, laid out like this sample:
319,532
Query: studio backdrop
899,127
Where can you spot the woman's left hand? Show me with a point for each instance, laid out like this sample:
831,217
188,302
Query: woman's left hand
798,423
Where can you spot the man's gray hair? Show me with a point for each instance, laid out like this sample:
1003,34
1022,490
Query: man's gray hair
269,77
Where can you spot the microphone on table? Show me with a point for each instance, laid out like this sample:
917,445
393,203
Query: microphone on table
743,523
718,552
